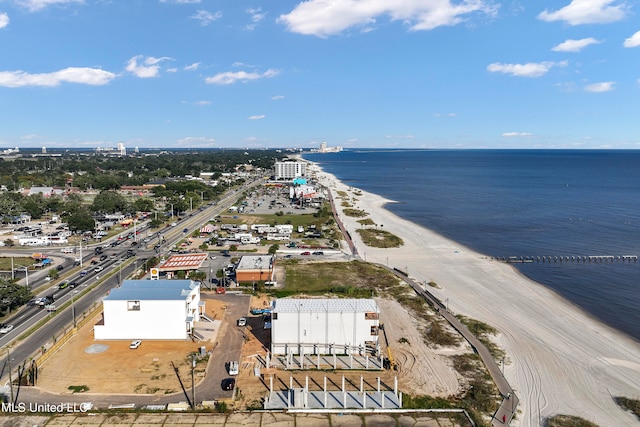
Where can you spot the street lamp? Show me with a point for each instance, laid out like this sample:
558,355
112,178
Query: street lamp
73,311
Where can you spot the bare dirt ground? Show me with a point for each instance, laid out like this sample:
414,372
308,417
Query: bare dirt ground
122,370
422,370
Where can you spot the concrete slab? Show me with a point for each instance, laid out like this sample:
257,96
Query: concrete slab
176,419
406,421
312,420
89,419
119,420
150,419
379,420
23,421
339,420
427,421
211,420
243,419
61,420
278,419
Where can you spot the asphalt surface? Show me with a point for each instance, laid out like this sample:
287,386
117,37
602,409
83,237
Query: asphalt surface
27,317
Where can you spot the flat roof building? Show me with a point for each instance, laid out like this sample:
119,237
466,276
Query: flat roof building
289,170
324,326
150,309
255,268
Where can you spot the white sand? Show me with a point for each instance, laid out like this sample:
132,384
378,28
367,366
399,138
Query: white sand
559,359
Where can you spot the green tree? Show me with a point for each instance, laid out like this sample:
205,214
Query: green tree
109,202
80,220
273,249
12,295
34,205
143,204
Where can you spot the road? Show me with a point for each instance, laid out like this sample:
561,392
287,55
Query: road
28,316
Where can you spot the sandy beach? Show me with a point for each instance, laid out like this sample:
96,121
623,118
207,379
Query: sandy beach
559,359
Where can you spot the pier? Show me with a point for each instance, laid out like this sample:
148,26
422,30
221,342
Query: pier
568,258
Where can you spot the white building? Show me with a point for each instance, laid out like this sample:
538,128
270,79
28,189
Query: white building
324,326
290,170
150,309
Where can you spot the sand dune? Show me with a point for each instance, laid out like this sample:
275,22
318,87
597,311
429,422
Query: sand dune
559,359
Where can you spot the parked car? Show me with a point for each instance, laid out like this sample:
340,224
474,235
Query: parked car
135,344
228,384
242,321
6,329
234,367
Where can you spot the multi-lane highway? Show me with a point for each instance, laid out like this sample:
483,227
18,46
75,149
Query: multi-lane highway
114,268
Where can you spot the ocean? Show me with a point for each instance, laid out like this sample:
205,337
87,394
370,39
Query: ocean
522,203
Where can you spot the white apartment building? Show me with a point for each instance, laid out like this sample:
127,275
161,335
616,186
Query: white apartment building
150,309
290,170
324,326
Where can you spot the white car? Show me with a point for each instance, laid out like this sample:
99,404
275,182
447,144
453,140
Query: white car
234,368
6,329
135,344
242,321
98,269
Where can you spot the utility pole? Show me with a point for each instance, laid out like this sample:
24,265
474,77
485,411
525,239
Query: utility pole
73,311
193,388
10,379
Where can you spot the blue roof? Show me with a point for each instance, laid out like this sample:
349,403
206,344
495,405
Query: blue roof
152,290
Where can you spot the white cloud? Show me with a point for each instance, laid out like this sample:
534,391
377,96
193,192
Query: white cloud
149,67
517,135
203,103
256,16
445,115
277,97
400,136
4,20
571,45
192,67
586,12
257,117
633,41
35,5
600,87
88,76
231,77
328,17
205,17
530,69
197,141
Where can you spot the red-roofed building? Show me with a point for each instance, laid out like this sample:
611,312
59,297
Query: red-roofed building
181,262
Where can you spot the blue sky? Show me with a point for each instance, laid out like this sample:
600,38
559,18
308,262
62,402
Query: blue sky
356,73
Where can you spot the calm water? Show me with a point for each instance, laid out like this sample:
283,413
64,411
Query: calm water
522,203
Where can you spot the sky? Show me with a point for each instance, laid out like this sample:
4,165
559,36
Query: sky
293,74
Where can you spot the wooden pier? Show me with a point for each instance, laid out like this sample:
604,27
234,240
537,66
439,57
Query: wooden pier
571,259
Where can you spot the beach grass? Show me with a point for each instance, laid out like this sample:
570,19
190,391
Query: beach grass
632,405
358,213
379,238
366,221
568,421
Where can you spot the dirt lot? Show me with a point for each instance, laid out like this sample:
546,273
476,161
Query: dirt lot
119,369
421,370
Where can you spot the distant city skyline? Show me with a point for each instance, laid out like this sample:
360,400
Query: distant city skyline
295,74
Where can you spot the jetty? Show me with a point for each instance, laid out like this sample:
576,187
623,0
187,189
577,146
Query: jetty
568,258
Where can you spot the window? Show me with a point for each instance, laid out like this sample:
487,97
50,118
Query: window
374,330
133,305
371,316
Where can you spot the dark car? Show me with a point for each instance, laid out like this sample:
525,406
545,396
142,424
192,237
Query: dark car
60,267
103,257
228,384
318,253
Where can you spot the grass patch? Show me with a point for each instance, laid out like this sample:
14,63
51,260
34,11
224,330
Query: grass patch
78,388
483,332
632,405
5,262
342,193
345,204
366,222
354,212
380,238
568,421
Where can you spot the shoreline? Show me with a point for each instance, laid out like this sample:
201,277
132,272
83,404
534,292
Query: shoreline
559,358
